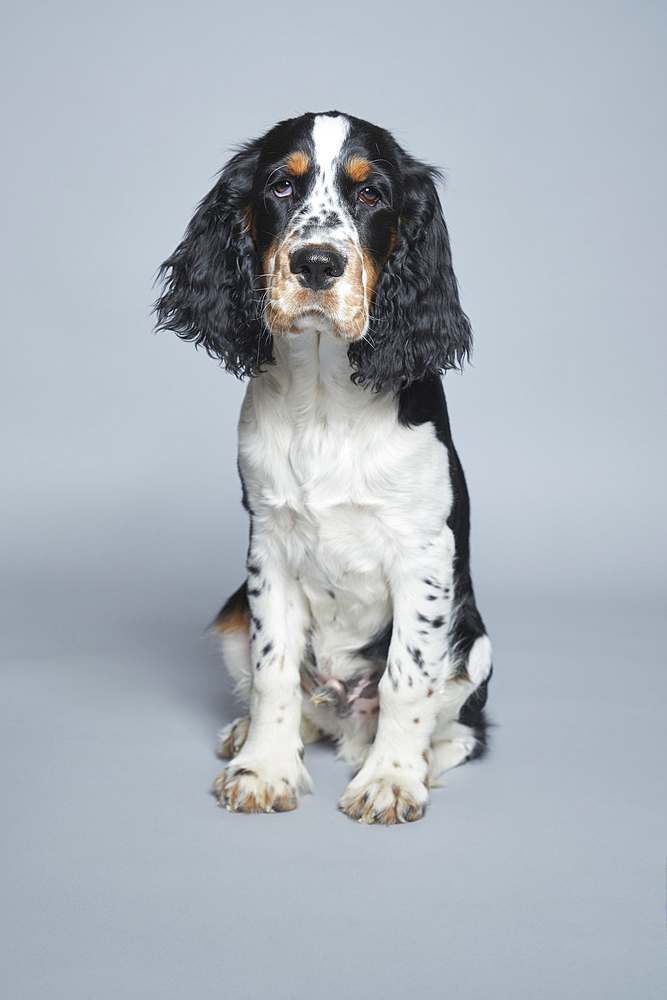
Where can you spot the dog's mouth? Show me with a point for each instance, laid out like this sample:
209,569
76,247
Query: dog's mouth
323,286
285,319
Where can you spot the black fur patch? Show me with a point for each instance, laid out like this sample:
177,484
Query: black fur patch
377,647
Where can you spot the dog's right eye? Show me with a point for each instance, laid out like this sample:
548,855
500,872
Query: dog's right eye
283,189
369,196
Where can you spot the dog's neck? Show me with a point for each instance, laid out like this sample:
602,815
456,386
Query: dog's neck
314,353
312,368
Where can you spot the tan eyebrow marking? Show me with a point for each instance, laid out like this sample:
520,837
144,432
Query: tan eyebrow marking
358,169
298,163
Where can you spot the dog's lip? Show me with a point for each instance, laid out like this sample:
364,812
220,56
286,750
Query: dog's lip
319,312
300,322
323,324
319,322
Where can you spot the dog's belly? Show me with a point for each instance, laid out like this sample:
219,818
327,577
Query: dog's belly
339,568
337,563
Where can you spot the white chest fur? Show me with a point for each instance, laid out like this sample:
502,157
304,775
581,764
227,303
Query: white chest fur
338,487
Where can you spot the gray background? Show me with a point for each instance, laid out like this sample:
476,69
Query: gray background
539,872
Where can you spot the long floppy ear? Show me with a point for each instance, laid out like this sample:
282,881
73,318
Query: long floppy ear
417,326
210,290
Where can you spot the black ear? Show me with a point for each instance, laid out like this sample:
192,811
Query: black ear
210,289
417,327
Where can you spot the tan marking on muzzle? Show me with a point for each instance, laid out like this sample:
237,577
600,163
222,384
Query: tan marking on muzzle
345,303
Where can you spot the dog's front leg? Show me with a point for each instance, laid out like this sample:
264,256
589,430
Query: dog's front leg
268,774
392,785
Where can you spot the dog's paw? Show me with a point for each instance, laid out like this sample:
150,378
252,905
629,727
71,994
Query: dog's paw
246,786
232,737
398,797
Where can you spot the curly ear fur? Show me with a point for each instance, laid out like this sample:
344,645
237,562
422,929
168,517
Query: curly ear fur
210,291
417,326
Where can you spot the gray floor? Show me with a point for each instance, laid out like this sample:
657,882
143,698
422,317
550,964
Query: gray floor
539,871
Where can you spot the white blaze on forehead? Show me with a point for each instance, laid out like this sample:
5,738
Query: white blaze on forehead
329,134
322,219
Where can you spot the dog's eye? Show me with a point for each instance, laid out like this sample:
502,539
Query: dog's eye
369,196
283,189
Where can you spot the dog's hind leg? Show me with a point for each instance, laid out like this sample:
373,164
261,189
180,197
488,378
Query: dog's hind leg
460,732
232,737
232,629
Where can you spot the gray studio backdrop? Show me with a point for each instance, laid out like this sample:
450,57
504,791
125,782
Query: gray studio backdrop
539,872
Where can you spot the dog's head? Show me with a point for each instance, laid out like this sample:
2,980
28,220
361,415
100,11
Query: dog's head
327,221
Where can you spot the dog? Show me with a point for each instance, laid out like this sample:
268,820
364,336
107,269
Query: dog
319,266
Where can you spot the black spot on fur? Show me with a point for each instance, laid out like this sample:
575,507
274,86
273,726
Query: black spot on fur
308,229
377,646
417,657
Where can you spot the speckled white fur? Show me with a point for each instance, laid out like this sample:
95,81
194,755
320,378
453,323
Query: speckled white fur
346,501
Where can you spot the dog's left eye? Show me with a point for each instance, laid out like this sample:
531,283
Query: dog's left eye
282,189
369,196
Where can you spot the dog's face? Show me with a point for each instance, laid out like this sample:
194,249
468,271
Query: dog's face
324,219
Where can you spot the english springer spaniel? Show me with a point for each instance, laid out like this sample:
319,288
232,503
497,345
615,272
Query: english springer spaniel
319,265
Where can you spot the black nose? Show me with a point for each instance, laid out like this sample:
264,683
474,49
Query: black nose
317,266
